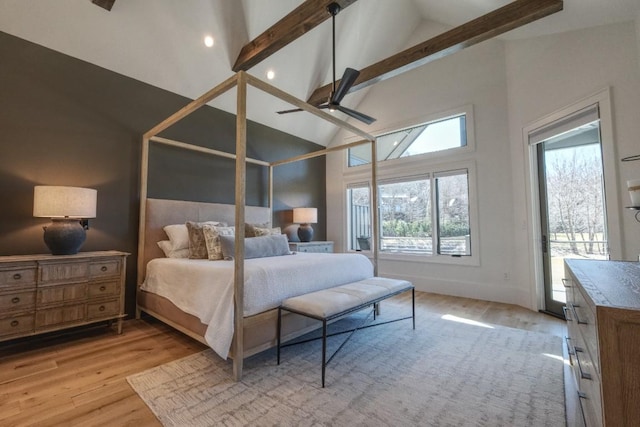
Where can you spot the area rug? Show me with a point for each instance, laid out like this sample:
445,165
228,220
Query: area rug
447,372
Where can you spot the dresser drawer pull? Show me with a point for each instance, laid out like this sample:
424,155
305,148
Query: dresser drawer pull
575,314
566,314
17,276
103,288
103,268
102,308
568,341
564,283
583,375
15,300
15,323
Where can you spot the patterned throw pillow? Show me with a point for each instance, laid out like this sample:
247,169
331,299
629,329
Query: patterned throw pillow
197,244
212,240
250,229
266,231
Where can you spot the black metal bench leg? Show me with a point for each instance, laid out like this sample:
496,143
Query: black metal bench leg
279,331
413,306
324,349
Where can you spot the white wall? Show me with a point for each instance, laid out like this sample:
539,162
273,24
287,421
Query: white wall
474,76
510,86
548,73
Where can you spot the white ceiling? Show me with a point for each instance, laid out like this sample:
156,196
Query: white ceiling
160,42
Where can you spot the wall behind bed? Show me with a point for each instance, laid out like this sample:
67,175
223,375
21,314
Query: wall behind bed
67,122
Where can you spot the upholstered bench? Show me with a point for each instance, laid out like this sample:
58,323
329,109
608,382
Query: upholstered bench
330,304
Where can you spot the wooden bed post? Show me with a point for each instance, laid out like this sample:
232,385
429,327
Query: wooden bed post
238,286
374,204
271,191
144,175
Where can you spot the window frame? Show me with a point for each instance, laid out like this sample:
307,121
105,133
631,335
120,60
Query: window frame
423,165
442,155
348,209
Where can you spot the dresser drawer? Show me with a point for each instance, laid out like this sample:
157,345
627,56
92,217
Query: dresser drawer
19,276
64,272
323,247
18,301
103,309
53,317
61,293
18,324
105,268
316,248
589,390
585,319
111,288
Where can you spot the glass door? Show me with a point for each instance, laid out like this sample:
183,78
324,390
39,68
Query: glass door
572,205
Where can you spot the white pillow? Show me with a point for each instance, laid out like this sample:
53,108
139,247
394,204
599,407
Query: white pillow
169,252
178,235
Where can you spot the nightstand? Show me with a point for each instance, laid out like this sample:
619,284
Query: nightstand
325,247
44,293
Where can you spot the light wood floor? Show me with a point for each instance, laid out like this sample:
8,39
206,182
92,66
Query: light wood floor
79,378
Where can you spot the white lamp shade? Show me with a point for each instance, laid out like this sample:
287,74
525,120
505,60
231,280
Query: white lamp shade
305,215
52,201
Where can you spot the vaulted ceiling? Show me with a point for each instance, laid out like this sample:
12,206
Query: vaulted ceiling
160,42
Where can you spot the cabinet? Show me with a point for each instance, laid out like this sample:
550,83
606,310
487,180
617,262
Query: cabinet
43,293
603,323
326,247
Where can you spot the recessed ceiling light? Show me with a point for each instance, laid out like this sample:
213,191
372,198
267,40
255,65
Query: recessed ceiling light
271,74
208,41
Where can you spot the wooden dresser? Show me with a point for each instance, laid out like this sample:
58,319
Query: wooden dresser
43,293
603,323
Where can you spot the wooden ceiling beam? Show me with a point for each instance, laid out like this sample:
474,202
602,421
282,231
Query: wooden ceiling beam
298,22
499,21
105,4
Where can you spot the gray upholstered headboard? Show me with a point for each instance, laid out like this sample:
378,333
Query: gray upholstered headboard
160,212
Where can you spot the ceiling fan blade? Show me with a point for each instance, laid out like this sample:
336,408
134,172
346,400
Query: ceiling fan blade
356,115
348,79
295,110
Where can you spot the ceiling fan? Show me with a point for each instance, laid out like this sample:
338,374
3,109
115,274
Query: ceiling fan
348,79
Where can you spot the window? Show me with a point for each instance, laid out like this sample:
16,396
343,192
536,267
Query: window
407,210
454,237
405,217
426,203
440,135
359,205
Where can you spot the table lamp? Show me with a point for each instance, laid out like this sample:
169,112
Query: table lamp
66,206
304,217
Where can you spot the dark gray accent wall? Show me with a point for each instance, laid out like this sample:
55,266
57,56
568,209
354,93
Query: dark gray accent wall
64,121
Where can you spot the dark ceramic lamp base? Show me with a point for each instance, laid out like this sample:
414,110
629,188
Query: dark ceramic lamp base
305,233
64,236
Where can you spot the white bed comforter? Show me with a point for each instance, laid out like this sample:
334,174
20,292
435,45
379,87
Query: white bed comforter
205,288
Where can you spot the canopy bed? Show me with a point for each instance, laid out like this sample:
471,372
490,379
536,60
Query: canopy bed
254,326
